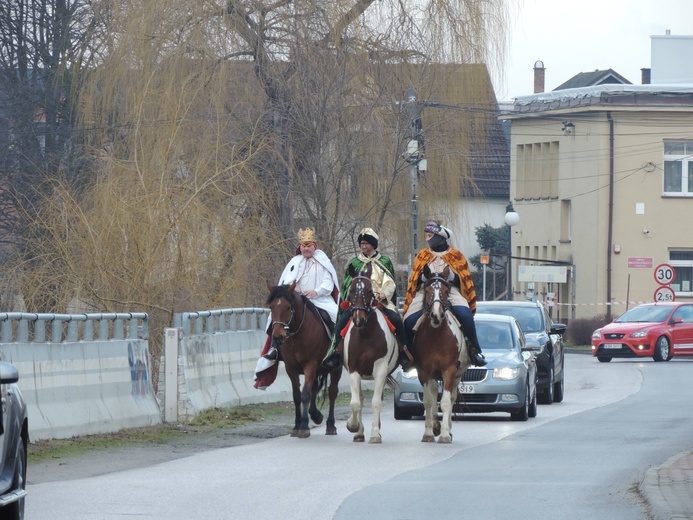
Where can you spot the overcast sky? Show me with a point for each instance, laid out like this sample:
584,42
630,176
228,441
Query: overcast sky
583,36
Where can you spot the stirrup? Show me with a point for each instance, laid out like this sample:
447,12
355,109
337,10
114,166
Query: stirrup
272,354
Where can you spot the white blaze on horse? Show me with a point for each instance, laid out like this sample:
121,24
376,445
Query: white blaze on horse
370,353
440,354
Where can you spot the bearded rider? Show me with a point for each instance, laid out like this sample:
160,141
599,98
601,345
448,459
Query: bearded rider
437,256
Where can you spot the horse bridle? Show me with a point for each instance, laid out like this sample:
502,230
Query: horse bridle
359,291
287,325
436,282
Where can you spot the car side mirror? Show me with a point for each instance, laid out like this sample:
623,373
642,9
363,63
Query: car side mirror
558,328
531,346
677,320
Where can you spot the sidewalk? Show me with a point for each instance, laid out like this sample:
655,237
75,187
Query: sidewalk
668,489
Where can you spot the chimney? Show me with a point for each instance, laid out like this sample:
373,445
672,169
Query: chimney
539,77
645,76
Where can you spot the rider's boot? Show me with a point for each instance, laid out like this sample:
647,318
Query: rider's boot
334,356
475,355
404,356
272,354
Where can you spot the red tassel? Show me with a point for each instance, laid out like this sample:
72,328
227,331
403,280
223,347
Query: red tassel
345,305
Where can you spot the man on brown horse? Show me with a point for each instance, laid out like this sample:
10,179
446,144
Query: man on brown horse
384,287
315,278
437,256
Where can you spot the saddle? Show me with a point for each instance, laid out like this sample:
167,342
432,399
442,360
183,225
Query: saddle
322,314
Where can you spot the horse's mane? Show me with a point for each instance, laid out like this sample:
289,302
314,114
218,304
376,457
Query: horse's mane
279,291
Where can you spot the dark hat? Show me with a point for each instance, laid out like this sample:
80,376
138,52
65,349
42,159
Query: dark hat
370,236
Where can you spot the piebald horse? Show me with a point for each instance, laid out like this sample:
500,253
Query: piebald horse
303,342
440,354
370,353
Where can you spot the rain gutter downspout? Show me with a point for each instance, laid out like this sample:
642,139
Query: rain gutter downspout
611,215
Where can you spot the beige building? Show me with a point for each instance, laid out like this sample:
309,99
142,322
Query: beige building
602,178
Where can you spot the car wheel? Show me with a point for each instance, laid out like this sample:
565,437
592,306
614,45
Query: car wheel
401,415
661,351
15,510
603,359
532,412
547,395
523,413
559,390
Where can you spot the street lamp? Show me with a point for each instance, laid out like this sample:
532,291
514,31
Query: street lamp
511,219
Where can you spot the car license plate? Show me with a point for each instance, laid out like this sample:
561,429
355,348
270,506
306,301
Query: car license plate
612,345
466,388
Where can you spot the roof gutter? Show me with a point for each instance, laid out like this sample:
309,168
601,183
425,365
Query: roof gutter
611,215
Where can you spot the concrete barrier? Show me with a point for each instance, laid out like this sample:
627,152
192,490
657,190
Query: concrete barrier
85,374
209,361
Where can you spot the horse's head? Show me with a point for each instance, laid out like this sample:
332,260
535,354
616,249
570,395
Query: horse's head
282,310
361,297
436,294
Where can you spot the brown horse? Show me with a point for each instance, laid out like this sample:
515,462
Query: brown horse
303,342
439,353
370,353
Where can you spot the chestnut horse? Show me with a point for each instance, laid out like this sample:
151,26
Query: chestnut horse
303,342
440,354
370,353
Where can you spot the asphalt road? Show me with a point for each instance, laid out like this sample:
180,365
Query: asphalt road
580,459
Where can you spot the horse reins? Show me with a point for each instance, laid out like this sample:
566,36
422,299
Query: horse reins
436,281
288,323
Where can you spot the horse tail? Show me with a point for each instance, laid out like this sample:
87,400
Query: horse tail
323,381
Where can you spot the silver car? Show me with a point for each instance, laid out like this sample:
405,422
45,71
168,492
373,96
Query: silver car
506,384
14,435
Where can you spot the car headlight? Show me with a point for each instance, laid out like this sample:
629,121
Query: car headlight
597,334
505,373
410,374
639,334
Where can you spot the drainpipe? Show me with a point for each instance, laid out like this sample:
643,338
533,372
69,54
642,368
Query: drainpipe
611,215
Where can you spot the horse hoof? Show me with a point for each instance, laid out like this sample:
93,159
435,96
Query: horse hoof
303,434
353,428
428,438
359,438
436,429
294,432
445,440
375,440
317,417
331,430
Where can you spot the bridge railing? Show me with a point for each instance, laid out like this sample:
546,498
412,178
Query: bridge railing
221,320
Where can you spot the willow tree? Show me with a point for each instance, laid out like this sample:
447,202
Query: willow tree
214,130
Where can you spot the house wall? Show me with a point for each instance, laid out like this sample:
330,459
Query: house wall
471,214
583,180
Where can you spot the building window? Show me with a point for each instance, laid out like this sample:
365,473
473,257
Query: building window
678,169
682,262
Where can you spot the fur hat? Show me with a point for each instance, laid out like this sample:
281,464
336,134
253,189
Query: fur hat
437,229
370,236
307,236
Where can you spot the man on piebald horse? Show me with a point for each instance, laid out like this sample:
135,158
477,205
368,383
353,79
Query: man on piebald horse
437,256
384,288
316,279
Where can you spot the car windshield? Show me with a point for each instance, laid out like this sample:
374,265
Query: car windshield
530,318
494,336
648,313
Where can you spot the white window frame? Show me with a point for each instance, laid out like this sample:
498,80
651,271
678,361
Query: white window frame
683,155
676,286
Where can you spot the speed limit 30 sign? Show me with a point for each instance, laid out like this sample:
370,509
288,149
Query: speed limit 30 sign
664,274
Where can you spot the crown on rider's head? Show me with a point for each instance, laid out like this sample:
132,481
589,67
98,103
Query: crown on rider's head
307,236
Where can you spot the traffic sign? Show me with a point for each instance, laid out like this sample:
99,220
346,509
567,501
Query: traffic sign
483,259
664,293
664,274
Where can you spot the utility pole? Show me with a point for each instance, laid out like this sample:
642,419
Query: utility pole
415,157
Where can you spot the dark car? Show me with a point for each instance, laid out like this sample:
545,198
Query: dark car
506,384
14,435
661,330
537,326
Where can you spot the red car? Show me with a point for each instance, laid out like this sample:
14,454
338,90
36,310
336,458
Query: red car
661,330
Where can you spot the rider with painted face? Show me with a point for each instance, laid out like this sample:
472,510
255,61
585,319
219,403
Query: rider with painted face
437,256
384,288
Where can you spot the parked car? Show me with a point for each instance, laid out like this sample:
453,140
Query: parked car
14,435
506,384
661,330
537,326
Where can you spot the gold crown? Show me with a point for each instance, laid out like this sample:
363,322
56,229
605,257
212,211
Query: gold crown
306,236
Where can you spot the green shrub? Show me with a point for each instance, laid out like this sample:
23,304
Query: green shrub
579,331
